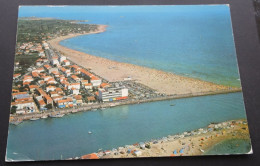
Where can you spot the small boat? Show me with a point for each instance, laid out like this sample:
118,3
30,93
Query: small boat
44,117
33,119
202,150
89,132
57,116
16,122
172,105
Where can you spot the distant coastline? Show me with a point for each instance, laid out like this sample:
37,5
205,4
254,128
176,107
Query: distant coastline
163,82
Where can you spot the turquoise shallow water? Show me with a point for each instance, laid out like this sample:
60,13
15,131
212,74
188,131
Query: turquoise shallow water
191,40
68,136
232,146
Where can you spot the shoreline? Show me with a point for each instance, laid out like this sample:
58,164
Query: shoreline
19,118
190,143
164,82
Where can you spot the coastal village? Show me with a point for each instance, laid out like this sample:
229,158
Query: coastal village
55,82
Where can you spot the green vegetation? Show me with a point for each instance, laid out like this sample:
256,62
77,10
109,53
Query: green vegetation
13,109
37,29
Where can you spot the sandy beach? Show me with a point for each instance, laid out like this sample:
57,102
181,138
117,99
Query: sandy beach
185,144
163,82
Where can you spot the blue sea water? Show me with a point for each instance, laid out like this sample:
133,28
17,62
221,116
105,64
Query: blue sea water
192,40
50,139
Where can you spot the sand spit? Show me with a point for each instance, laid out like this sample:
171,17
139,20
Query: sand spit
163,82
191,143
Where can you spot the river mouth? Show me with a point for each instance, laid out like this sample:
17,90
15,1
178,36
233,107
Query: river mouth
69,136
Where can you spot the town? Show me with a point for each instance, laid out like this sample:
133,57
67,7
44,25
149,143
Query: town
53,82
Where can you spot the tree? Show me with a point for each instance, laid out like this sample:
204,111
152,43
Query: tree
49,106
13,109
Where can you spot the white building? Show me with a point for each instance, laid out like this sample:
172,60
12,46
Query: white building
111,94
55,62
62,58
95,81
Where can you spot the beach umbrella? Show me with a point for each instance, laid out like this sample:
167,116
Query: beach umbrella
181,151
174,152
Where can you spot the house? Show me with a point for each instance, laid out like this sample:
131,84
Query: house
74,91
35,74
50,88
66,63
47,67
103,85
65,103
16,76
50,70
20,95
33,87
51,81
46,78
95,81
27,106
91,99
27,79
62,58
59,91
48,99
57,98
42,104
74,85
54,94
55,61
78,99
75,78
88,86
65,71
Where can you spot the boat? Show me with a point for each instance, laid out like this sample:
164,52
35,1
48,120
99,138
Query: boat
202,150
172,105
74,111
16,122
89,132
57,116
44,117
33,119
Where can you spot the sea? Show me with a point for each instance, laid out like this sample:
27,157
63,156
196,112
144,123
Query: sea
190,40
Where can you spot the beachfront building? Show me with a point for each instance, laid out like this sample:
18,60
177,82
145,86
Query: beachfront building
65,63
55,61
112,94
62,58
25,105
65,103
95,81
